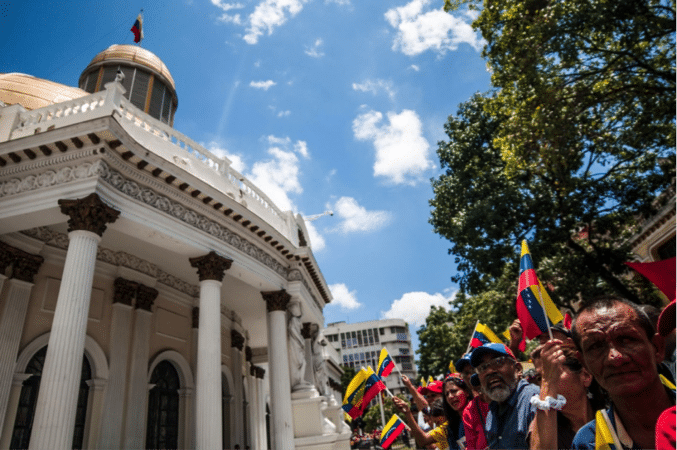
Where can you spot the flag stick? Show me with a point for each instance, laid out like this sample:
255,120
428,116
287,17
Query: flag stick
383,415
545,313
471,336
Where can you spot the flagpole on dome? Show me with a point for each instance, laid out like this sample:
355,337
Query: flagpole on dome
137,28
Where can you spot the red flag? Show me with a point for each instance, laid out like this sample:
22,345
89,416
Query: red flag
137,29
567,321
660,273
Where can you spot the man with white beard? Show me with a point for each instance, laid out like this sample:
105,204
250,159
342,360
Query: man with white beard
510,410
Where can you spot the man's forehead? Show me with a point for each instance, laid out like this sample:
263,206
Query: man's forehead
605,318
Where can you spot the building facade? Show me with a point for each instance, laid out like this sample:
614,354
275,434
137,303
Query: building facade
360,344
150,295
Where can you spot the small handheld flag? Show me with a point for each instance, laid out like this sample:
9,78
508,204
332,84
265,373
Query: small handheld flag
483,335
423,383
385,364
393,428
373,386
452,368
533,301
137,28
605,436
430,379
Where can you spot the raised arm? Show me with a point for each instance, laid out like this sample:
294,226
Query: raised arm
422,438
418,398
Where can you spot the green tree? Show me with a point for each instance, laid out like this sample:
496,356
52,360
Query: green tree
577,220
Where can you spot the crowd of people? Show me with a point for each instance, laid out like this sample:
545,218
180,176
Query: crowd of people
608,379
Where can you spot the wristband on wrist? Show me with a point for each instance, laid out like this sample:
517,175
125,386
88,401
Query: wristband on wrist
549,402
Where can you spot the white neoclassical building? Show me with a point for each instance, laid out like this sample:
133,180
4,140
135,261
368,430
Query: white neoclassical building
150,295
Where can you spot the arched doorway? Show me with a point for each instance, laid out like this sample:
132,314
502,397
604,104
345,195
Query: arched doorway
163,408
23,422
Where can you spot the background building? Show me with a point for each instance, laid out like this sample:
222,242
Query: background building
360,344
150,295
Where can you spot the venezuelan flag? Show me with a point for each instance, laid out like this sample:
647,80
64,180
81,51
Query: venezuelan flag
483,335
137,29
430,379
393,428
372,387
530,293
452,367
423,383
352,402
385,364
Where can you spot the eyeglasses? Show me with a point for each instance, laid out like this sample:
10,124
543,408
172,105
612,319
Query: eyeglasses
493,364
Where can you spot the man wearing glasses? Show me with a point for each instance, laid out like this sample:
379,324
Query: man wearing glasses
510,410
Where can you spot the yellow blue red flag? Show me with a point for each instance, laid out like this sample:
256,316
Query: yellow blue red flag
385,364
393,428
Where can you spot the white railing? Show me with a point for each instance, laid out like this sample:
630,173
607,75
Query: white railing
162,140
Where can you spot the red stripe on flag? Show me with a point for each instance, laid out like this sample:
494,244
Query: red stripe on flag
530,327
527,278
393,435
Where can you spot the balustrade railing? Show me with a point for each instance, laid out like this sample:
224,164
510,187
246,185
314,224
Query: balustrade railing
110,101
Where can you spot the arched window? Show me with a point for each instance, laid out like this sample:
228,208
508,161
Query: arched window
23,424
225,411
163,408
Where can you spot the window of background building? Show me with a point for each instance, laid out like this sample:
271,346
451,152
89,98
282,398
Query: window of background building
381,331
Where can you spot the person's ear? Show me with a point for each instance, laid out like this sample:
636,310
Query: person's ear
658,342
586,377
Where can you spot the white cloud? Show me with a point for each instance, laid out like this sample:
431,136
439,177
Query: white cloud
278,177
415,68
314,50
300,147
284,113
343,297
230,18
236,161
374,86
265,85
356,218
402,153
227,6
317,242
414,307
270,14
435,30
339,2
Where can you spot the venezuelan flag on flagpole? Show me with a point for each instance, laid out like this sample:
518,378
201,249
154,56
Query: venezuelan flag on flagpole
352,402
483,335
452,367
393,428
137,28
385,364
423,383
430,379
533,301
373,385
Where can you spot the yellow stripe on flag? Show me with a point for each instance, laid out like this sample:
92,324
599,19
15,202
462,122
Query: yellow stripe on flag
486,331
666,382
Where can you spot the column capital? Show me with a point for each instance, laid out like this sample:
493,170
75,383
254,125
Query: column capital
124,291
307,330
211,266
89,213
276,300
196,317
26,266
145,297
248,354
236,339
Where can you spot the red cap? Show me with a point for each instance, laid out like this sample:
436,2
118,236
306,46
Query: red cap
666,322
435,386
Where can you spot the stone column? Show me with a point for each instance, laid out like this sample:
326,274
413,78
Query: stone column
12,406
59,386
261,406
280,389
114,402
211,269
137,395
236,347
6,258
13,318
309,331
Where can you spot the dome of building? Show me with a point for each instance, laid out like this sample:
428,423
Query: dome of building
149,85
134,54
33,93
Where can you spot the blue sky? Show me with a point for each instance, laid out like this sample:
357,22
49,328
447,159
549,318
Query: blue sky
324,104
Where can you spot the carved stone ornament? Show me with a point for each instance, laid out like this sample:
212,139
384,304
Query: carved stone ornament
307,330
89,214
248,354
196,317
145,297
124,291
260,372
26,266
236,340
211,266
276,300
6,257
